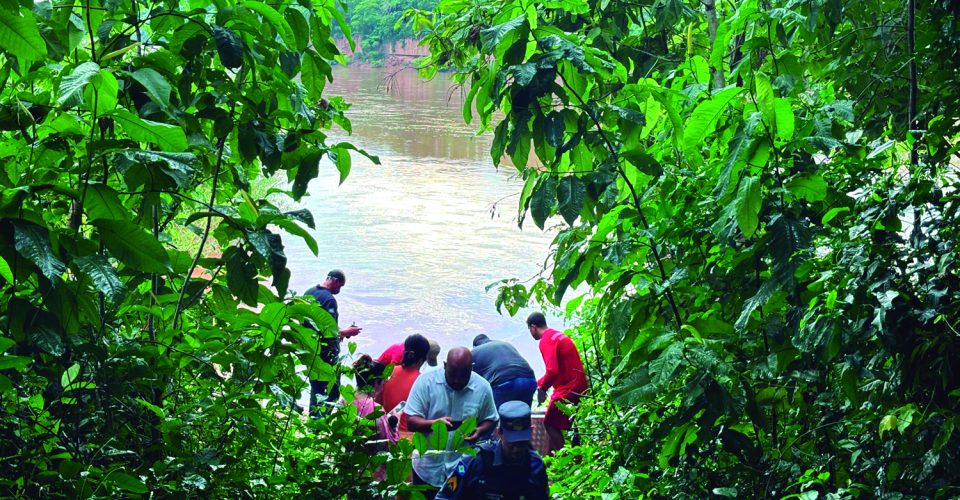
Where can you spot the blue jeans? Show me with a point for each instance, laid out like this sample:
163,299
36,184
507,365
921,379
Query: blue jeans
518,389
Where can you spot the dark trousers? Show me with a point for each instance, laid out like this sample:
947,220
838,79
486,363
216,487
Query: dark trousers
518,389
323,394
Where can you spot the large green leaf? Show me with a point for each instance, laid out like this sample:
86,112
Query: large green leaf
314,73
157,87
229,47
703,118
102,274
102,202
299,26
307,171
748,203
177,166
647,164
785,119
273,17
543,200
765,100
32,242
242,276
5,271
133,245
20,36
341,158
71,86
762,296
15,362
570,194
810,188
168,137
48,339
102,91
128,482
492,36
294,229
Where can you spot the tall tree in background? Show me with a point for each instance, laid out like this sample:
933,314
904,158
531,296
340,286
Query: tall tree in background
760,200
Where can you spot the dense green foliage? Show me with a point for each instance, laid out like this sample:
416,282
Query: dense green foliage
130,241
377,22
760,201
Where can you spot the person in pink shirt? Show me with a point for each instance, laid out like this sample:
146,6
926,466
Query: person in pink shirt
393,355
564,374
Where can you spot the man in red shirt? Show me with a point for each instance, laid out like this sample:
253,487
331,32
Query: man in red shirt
564,373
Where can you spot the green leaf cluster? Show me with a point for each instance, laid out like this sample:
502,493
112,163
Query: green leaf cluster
757,219
149,342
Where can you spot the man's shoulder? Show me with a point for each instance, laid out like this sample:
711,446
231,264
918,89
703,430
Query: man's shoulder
426,381
319,291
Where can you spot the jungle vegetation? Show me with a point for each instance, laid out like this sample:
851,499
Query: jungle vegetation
757,210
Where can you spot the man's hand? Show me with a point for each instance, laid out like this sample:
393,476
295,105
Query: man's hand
483,428
446,420
541,396
350,331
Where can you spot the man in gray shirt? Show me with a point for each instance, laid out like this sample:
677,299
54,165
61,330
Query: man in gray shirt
510,376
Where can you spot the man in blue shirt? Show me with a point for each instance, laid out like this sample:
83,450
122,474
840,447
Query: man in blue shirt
330,346
508,469
510,376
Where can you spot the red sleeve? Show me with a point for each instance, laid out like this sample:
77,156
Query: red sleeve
548,349
391,355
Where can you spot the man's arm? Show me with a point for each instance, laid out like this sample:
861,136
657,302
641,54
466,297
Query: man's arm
350,331
549,352
417,423
417,408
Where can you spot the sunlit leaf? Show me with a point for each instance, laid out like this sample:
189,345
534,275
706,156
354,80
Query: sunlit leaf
133,245
168,137
19,35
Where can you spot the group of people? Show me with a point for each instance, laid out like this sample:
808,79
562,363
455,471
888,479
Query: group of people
491,382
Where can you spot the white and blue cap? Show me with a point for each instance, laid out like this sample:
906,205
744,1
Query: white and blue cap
515,421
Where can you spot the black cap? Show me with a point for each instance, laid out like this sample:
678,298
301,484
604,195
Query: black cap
515,421
480,340
338,275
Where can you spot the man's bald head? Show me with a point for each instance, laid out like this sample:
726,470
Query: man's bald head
458,368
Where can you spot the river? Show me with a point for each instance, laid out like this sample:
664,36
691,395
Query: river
421,235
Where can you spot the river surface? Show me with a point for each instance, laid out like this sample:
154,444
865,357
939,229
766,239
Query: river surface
421,235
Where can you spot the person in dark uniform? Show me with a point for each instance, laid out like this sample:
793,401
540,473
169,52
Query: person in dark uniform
507,469
321,391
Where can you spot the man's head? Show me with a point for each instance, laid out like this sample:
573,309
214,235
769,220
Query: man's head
458,368
536,324
335,281
514,430
479,340
433,352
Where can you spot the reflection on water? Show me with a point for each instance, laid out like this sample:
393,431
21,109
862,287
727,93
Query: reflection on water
415,234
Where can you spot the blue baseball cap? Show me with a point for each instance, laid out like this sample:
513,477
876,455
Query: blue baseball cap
515,421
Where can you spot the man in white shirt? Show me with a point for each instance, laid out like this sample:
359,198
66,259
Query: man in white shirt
450,396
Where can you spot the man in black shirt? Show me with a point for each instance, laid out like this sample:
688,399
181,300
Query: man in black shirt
506,469
510,376
330,346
